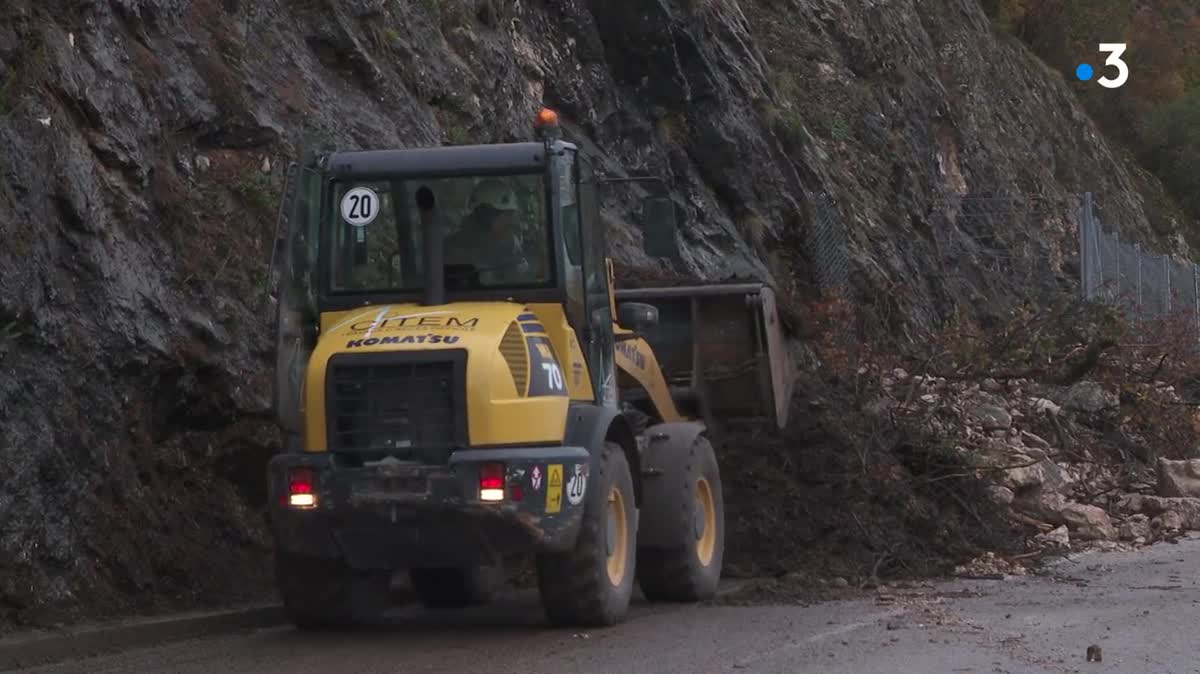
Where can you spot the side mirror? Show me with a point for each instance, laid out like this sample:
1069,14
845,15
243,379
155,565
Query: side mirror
658,227
637,316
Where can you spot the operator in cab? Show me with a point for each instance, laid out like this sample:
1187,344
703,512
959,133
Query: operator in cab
490,239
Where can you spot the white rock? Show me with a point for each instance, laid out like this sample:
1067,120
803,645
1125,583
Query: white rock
1056,538
1044,406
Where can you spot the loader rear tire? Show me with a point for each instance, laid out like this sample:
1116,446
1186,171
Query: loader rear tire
326,594
449,587
686,503
590,585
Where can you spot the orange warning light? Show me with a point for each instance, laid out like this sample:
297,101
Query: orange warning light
546,117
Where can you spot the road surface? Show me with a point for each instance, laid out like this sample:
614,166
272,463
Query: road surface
1141,608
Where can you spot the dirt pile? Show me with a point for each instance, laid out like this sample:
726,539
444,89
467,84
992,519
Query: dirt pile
1064,427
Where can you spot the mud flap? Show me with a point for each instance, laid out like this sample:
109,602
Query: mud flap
722,348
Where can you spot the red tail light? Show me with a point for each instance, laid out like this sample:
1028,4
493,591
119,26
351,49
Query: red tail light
491,482
301,488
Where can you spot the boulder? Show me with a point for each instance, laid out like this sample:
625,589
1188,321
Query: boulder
1187,508
1089,397
1085,521
1179,478
1170,521
1023,478
993,417
1089,522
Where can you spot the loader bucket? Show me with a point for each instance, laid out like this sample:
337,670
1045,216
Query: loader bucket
721,347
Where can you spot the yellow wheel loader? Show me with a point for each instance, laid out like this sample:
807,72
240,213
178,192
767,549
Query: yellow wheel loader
458,382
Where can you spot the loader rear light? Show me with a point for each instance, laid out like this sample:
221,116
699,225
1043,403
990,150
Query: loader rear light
491,482
301,488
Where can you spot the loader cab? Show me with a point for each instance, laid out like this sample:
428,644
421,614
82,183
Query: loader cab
513,222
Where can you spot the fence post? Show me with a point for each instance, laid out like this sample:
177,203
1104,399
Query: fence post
1097,252
1137,251
1167,275
1085,231
1117,266
1196,297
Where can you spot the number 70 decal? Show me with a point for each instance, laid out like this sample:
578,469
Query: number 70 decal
1114,50
554,378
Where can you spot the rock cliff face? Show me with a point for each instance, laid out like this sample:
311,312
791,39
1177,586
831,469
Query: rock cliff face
142,144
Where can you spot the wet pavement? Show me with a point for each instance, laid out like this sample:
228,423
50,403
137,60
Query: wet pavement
1141,608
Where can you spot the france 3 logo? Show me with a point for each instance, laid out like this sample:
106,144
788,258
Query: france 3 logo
1114,50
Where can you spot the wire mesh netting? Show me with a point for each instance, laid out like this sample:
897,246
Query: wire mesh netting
1147,285
828,244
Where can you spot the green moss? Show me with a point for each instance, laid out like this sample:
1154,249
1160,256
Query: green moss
839,128
788,124
256,190
458,134
8,89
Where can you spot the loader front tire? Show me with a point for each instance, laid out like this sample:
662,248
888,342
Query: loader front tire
325,594
686,503
590,585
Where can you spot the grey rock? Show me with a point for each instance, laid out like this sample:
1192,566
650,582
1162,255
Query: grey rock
1089,397
1169,521
1000,495
992,417
1135,527
1086,522
1179,478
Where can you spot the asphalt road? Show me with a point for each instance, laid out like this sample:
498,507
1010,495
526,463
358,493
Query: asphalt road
1142,609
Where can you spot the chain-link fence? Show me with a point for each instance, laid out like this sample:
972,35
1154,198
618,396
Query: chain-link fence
828,245
1144,283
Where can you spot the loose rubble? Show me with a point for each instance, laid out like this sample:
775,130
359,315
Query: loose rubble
1047,452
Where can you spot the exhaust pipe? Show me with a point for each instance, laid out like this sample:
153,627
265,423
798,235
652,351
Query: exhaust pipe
435,275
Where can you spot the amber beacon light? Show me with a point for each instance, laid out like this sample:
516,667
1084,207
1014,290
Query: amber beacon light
546,118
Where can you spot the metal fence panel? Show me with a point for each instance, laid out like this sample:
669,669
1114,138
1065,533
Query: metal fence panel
1146,284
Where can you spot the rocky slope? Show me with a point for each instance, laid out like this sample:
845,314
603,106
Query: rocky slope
141,150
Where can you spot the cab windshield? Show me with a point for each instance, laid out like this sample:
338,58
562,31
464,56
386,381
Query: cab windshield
495,229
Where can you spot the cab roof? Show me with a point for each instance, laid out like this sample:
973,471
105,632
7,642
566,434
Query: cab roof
440,161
